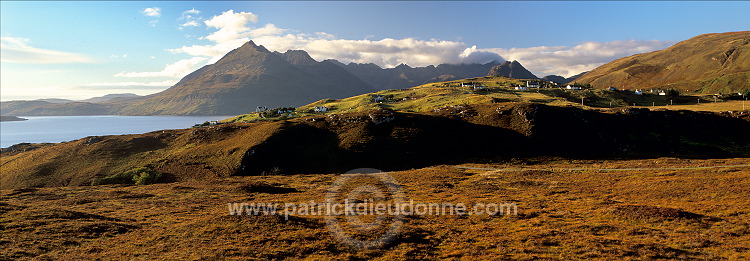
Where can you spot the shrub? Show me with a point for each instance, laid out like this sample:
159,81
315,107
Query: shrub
673,93
146,177
138,176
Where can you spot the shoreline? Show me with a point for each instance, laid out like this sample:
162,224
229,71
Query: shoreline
11,118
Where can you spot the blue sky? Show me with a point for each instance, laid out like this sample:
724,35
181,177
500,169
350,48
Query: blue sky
78,50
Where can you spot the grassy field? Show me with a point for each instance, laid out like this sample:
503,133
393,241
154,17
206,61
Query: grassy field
658,209
428,97
709,106
497,89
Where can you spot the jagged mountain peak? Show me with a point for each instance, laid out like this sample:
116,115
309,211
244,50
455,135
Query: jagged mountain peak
248,53
512,69
298,57
251,46
334,61
364,65
251,76
403,66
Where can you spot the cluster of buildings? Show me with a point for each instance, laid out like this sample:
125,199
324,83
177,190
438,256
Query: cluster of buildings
640,92
473,85
551,84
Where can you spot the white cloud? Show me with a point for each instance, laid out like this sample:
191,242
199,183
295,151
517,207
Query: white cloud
152,12
234,29
190,18
231,25
18,50
472,55
176,70
192,11
570,60
190,23
121,84
267,30
385,52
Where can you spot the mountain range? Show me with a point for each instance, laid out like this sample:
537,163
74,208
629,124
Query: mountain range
404,76
245,78
563,80
252,76
53,106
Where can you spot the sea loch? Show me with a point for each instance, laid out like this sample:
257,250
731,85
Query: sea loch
66,128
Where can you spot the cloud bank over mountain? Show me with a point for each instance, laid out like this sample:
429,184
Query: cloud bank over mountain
571,60
231,29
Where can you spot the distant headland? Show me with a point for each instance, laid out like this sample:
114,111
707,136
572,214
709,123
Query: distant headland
11,118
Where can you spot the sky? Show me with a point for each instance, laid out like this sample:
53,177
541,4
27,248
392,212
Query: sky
78,50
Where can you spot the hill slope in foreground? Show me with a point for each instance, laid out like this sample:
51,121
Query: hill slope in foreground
568,210
383,139
706,63
566,170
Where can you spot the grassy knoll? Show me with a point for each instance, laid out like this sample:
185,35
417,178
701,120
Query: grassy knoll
428,97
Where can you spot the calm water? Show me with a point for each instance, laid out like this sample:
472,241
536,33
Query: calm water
67,128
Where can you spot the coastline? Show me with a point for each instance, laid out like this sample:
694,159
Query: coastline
11,118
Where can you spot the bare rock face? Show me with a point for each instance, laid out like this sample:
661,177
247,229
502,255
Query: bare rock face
512,69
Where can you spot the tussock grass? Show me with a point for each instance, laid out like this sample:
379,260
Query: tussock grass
566,210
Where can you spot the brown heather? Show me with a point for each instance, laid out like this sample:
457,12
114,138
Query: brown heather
563,213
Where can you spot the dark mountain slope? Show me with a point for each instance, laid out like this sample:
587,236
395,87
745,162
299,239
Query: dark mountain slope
512,69
251,76
326,69
404,76
245,78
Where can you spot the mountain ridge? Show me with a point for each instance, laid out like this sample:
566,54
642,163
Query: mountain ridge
708,63
245,78
563,80
252,76
512,69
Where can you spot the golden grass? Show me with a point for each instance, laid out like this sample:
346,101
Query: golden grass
709,106
428,97
567,210
425,98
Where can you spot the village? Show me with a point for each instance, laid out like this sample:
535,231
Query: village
489,90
